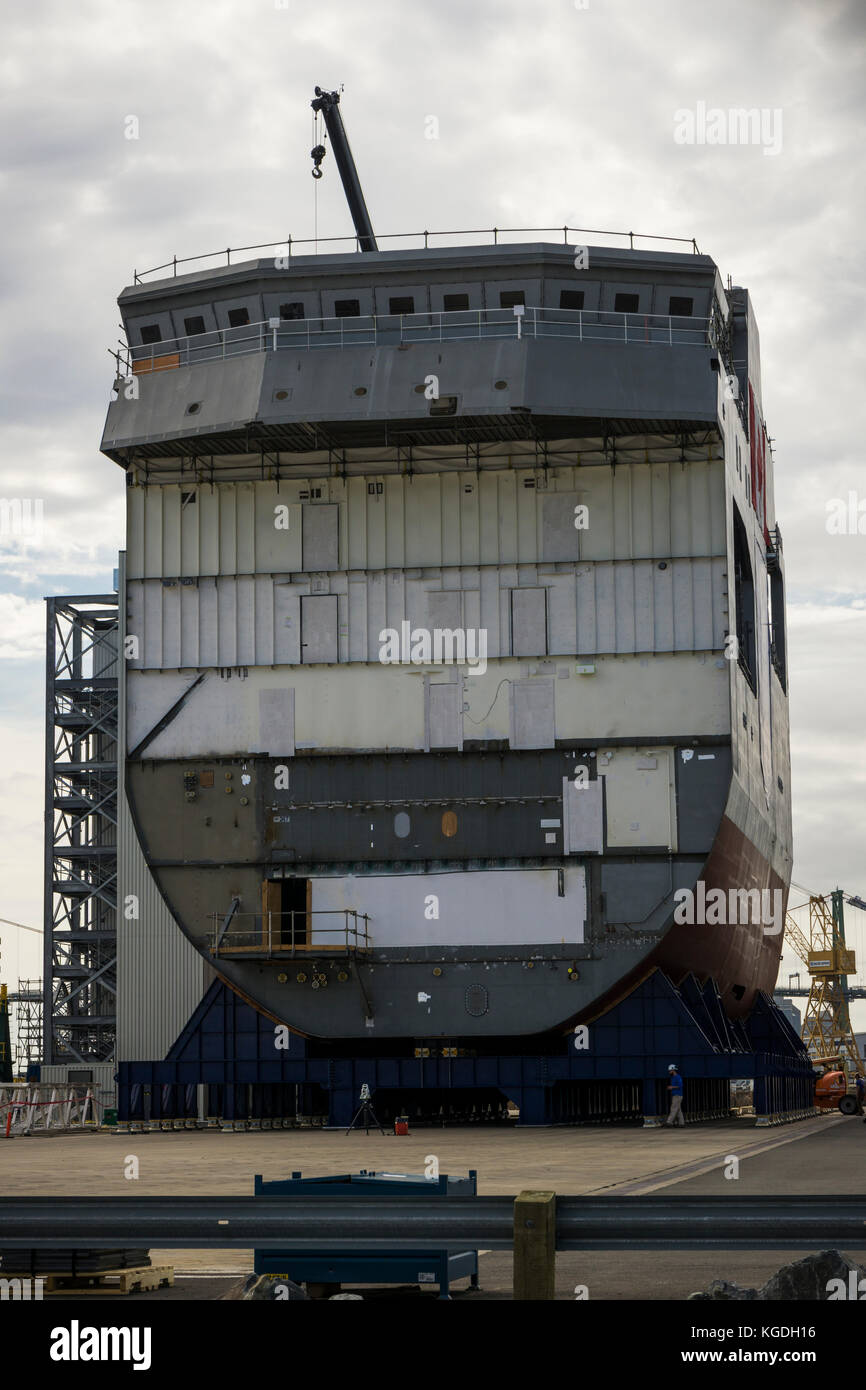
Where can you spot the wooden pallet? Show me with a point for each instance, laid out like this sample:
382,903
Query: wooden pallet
137,1279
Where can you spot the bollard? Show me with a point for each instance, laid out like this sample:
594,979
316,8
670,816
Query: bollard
534,1246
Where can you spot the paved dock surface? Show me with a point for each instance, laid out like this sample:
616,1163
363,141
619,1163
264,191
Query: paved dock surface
818,1155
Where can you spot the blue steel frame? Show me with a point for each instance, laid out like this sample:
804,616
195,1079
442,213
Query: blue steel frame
227,1044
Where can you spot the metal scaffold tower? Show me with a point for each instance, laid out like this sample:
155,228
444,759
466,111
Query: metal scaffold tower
27,1002
80,945
827,1028
5,1043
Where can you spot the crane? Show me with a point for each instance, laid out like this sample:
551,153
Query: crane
328,103
827,1030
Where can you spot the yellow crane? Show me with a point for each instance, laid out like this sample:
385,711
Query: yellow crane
827,1030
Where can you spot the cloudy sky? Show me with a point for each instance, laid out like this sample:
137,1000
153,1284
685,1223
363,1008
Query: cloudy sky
553,112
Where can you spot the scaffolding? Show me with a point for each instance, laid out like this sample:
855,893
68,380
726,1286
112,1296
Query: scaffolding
80,941
5,1044
27,1026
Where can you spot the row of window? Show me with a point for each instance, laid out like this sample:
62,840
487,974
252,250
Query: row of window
679,306
744,610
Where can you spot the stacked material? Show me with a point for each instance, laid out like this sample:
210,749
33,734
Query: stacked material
70,1262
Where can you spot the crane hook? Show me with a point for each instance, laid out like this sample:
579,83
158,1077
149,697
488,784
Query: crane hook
318,154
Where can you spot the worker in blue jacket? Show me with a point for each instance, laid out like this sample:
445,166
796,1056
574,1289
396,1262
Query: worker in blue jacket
675,1086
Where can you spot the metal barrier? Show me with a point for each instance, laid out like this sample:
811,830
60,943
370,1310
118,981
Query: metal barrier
31,1107
288,246
290,933
391,1222
457,325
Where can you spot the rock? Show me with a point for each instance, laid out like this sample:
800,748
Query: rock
805,1280
808,1279
722,1290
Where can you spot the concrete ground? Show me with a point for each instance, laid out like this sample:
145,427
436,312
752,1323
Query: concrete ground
817,1155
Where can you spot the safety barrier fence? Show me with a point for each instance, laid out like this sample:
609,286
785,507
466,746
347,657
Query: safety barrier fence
30,1108
289,933
381,330
396,1222
289,246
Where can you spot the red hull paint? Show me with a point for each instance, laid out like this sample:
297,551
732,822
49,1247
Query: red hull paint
743,957
735,957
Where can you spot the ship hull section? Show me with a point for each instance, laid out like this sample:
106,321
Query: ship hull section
451,950
371,836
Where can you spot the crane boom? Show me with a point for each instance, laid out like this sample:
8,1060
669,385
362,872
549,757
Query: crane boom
329,105
797,939
826,1023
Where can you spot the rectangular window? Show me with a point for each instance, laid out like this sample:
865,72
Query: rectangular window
776,598
293,310
571,299
626,303
445,405
451,303
347,308
193,326
681,306
744,602
238,317
508,298
401,304
151,333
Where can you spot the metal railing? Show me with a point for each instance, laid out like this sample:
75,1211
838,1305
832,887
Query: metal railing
372,330
290,933
29,1107
803,992
395,1222
288,247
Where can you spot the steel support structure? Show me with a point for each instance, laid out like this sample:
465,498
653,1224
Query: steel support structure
27,1011
228,1048
80,891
